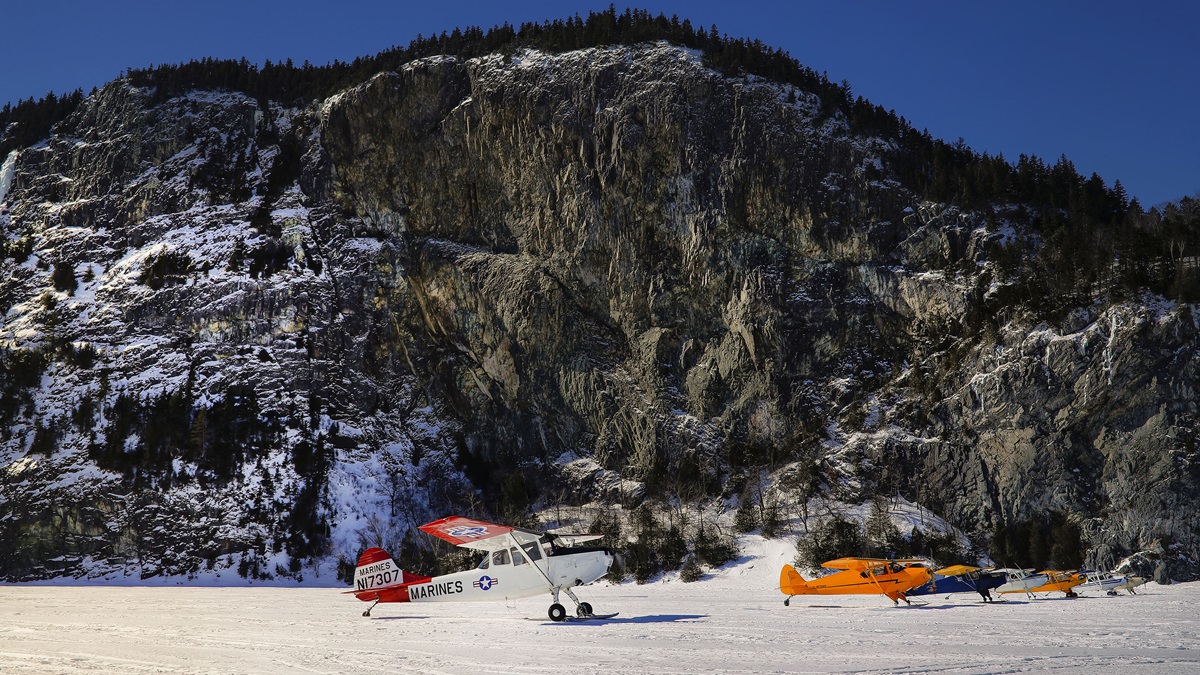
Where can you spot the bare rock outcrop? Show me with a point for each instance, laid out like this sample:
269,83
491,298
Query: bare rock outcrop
613,272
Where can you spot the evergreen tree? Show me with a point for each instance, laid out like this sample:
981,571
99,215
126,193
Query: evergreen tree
63,278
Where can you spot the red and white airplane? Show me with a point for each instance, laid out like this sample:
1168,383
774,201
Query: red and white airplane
519,563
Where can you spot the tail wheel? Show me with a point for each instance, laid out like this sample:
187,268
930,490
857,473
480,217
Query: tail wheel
584,609
557,612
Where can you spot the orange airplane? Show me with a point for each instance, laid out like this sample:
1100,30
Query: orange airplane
866,576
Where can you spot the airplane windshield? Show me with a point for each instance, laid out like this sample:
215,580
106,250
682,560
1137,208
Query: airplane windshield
532,550
517,558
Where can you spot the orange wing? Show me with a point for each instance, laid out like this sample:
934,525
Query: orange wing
860,564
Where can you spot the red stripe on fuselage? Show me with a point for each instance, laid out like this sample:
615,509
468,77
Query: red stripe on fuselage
394,594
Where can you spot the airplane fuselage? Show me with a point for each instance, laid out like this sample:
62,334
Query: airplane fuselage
501,578
1021,582
516,563
858,576
974,582
852,583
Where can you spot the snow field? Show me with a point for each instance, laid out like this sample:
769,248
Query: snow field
733,621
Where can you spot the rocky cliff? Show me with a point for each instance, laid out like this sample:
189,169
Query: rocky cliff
244,335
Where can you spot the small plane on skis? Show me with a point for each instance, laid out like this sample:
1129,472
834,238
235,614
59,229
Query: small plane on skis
1105,582
1021,580
859,576
961,579
518,563
1060,580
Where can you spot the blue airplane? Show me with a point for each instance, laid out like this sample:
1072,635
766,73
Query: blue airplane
962,579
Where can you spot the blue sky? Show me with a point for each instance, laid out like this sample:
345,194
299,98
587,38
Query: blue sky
1113,86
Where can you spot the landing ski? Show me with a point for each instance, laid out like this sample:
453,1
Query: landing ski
578,619
591,617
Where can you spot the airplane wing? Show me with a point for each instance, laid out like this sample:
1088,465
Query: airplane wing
956,570
475,534
575,539
860,564
854,563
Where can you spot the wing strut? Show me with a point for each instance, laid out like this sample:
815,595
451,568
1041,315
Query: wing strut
874,580
534,562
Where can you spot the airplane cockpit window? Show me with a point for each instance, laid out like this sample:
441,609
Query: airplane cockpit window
483,564
532,550
517,558
500,557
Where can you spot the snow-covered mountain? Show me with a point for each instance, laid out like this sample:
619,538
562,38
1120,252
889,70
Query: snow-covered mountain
244,335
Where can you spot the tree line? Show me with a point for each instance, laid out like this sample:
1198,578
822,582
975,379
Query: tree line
30,121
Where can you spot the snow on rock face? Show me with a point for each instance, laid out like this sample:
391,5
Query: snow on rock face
188,418
292,332
6,174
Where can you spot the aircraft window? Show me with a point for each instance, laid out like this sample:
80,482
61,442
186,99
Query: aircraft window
500,557
483,564
518,559
531,549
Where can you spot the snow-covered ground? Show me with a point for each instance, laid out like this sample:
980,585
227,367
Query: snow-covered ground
732,622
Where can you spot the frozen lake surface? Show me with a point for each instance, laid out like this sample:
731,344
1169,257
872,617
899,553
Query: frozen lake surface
732,622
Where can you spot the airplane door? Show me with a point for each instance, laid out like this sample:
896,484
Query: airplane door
524,559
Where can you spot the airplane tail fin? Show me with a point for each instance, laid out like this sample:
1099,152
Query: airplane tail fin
376,569
790,581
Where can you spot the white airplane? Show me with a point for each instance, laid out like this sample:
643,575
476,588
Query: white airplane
519,563
1021,581
1132,582
1105,582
